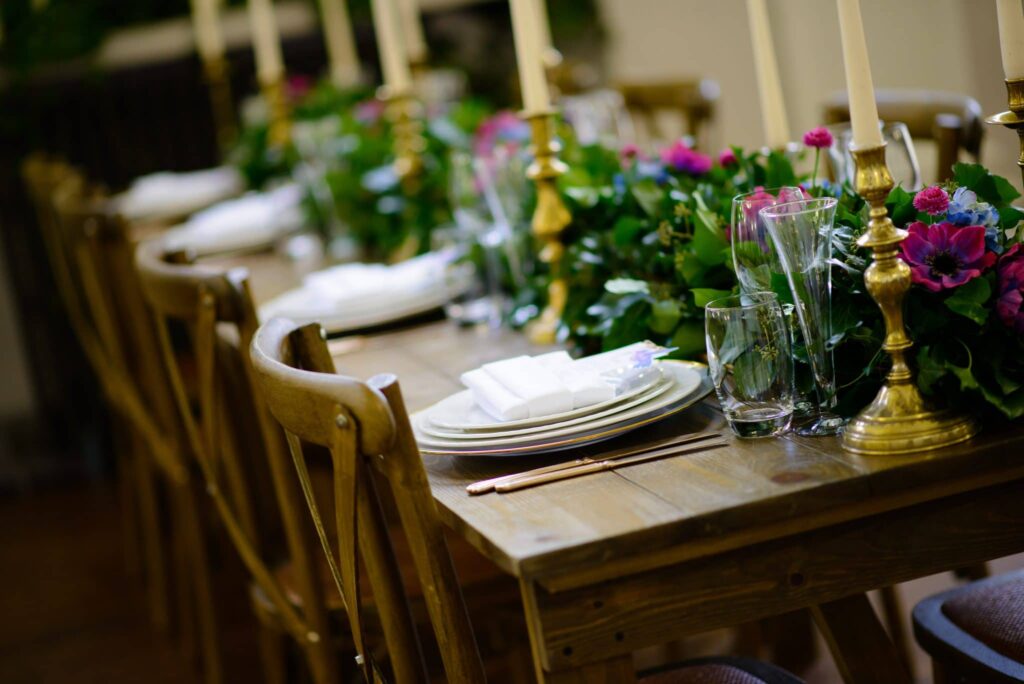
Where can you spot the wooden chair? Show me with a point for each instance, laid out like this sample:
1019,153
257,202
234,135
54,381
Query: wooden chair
693,101
215,414
58,193
366,429
952,121
975,633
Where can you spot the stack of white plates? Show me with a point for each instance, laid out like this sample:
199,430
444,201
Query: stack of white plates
457,425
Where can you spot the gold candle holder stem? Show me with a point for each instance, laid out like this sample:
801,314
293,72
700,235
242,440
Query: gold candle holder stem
216,73
406,116
1014,117
279,117
550,218
899,420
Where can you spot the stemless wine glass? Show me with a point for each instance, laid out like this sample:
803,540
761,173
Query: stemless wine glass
802,234
750,363
900,155
753,255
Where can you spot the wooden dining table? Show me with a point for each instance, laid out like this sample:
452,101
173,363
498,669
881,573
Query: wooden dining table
619,560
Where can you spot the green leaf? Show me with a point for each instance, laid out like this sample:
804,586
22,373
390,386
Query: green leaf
648,195
709,240
628,327
779,171
780,286
968,300
969,175
1007,193
626,229
703,295
900,204
689,340
929,369
1009,217
583,196
665,315
621,286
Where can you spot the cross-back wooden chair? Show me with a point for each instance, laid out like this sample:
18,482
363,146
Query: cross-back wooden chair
951,120
60,196
366,429
214,417
694,101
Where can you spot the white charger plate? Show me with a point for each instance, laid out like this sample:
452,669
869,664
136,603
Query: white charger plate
618,405
460,413
691,383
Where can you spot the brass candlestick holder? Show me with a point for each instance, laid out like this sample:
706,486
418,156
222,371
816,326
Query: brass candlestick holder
899,420
550,218
279,118
216,75
406,116
1014,118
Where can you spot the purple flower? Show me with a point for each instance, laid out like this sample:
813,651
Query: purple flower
1011,289
369,111
504,128
818,138
682,158
943,256
932,201
727,157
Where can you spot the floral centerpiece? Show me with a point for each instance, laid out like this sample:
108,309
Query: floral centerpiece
650,245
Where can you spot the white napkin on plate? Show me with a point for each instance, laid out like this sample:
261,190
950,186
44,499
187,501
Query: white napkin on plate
167,192
255,219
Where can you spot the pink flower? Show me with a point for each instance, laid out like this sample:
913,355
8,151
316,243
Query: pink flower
369,111
682,158
818,137
943,256
727,157
629,152
504,128
1011,289
933,201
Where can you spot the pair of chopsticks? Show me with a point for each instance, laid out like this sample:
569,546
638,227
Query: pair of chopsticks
610,461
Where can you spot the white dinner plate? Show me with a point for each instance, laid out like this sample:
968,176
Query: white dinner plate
461,413
645,395
691,384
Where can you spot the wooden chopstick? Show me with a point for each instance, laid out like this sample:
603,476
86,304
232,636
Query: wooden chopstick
606,464
485,486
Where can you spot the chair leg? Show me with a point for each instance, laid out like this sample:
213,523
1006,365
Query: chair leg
892,608
273,653
157,585
186,622
202,585
128,498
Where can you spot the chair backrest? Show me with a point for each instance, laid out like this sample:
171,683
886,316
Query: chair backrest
365,426
694,101
952,121
212,306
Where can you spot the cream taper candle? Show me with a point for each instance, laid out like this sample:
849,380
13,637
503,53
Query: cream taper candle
769,85
412,29
1011,37
265,41
863,110
206,26
391,47
532,78
341,43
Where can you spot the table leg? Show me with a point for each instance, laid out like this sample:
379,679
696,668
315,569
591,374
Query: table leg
861,648
617,670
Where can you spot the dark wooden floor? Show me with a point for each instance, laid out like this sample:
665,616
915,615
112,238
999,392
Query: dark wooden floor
69,610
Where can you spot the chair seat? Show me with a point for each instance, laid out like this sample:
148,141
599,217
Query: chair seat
720,671
473,569
977,628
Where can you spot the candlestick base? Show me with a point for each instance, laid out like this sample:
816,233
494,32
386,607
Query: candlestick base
899,420
279,118
1014,118
217,76
406,116
550,218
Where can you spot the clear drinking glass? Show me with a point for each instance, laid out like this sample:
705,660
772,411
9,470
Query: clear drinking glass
750,362
802,234
753,255
900,155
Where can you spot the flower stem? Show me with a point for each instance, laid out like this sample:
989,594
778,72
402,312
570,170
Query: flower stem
814,177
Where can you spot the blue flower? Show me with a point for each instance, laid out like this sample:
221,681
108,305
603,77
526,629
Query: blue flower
619,183
966,210
650,169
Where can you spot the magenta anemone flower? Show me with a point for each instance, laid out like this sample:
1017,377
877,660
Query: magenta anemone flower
727,158
1011,289
943,256
682,158
932,200
818,138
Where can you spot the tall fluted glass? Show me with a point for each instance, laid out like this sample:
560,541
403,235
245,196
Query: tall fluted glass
753,255
801,232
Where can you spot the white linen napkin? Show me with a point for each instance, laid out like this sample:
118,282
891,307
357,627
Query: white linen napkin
255,219
586,385
168,193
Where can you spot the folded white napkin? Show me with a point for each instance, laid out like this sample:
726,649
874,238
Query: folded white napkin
168,193
255,219
587,385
